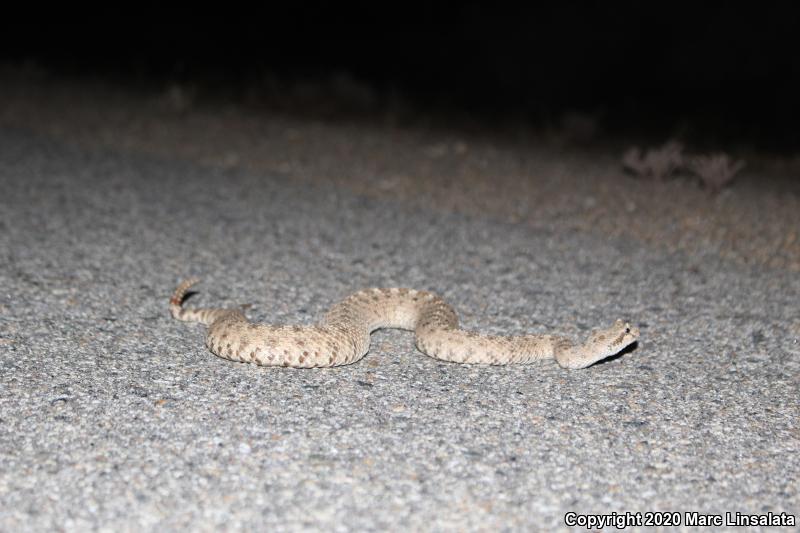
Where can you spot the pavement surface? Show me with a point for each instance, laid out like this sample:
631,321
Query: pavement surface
115,417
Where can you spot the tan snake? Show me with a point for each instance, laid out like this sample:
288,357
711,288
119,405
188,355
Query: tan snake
343,335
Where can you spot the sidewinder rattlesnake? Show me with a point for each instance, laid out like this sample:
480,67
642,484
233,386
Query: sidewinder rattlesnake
343,335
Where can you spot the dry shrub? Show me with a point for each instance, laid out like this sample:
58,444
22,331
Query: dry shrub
658,163
715,171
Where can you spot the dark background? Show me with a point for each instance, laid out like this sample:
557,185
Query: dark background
715,72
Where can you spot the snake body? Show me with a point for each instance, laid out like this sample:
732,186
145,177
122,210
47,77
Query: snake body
343,335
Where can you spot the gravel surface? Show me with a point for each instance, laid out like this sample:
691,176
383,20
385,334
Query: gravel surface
113,416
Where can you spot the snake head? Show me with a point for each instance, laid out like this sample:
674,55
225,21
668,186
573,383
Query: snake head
613,339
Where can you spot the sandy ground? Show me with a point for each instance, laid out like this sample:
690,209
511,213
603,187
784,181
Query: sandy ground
114,416
538,179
